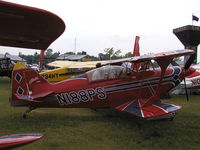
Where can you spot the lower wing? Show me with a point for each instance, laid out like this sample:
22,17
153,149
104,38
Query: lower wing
151,112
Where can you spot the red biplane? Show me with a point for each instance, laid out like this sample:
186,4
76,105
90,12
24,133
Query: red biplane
130,84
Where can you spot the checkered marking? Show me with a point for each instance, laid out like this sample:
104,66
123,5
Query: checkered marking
20,91
18,77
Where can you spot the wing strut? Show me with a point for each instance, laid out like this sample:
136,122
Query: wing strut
41,59
163,63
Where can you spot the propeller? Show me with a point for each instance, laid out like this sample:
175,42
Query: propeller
187,66
189,61
186,93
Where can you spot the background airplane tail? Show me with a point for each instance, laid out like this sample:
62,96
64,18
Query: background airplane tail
28,85
136,50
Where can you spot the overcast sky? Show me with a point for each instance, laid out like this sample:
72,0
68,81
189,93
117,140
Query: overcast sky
100,24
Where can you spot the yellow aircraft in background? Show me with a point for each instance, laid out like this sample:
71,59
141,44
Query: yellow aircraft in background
67,69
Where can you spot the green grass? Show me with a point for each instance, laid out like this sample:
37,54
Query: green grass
74,129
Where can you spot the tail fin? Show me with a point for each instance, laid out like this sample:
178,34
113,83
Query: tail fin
28,85
136,50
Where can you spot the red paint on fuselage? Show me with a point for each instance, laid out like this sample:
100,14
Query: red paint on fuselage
81,93
115,92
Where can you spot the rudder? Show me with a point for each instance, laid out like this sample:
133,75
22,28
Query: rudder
28,85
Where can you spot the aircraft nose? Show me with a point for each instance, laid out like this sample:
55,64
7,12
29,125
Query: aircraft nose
189,71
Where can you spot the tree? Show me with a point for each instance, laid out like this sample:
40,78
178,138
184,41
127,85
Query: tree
82,53
110,53
49,53
71,53
50,56
116,54
55,55
34,59
129,54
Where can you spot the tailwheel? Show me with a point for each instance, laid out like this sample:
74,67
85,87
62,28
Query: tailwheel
25,114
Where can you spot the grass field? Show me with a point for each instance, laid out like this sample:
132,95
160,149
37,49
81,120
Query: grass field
85,129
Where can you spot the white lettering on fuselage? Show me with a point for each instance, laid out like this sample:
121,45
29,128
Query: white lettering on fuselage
195,82
81,96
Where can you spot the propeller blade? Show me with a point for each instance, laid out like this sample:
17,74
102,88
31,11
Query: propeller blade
186,93
189,61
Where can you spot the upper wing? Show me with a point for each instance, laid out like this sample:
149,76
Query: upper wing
28,27
158,56
75,64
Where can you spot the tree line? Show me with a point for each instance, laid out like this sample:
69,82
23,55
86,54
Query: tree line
108,54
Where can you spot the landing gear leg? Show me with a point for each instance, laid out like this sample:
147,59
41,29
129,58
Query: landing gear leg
27,111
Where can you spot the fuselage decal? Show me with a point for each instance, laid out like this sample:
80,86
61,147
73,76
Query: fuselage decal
122,89
81,96
100,93
168,79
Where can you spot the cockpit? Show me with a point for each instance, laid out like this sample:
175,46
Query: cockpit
106,73
111,72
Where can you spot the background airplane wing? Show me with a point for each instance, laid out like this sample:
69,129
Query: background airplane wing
60,64
75,64
28,27
158,56
16,140
87,64
153,111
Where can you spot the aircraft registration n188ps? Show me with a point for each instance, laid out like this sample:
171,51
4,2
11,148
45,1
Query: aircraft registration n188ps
131,85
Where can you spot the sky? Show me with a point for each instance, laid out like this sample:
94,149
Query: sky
100,24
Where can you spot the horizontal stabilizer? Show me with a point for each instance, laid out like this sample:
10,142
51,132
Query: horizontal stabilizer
149,111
